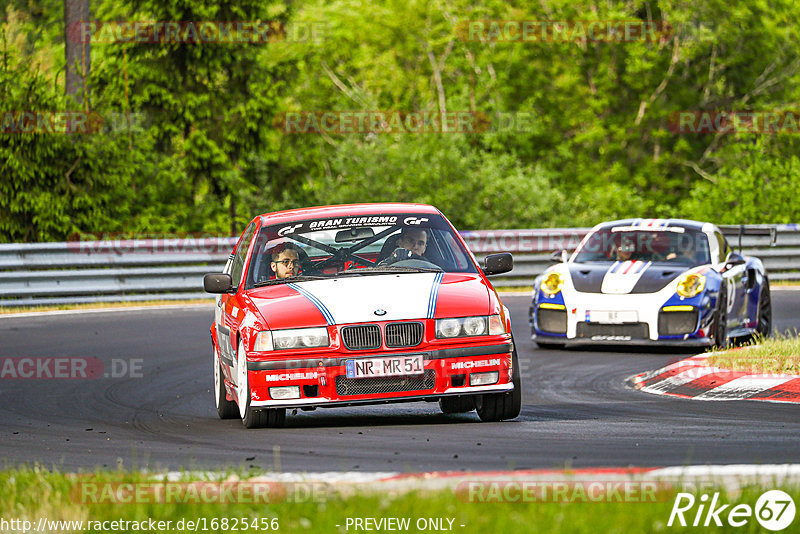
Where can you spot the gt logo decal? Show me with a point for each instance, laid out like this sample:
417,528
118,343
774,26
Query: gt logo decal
289,229
415,220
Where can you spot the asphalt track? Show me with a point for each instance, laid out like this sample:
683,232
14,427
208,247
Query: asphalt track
577,410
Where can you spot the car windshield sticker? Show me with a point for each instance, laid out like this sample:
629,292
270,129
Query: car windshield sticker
335,223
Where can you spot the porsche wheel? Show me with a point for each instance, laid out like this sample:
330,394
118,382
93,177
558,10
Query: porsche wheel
720,329
226,409
457,404
501,406
764,327
272,417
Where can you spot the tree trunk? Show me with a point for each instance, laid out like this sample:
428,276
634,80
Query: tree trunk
77,46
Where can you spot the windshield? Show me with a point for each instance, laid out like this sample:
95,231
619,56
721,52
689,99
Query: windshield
630,243
356,246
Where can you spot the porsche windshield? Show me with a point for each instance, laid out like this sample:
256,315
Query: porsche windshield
626,243
356,246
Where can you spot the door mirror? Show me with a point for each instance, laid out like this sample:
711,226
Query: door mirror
559,256
498,263
217,283
733,260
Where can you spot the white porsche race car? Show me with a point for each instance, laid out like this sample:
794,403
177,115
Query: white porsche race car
651,281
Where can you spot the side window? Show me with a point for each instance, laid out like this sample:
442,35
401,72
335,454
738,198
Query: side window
237,265
724,248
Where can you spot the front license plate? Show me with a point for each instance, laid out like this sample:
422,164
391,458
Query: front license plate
395,366
612,317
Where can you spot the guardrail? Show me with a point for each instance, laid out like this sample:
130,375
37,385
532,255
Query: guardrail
170,269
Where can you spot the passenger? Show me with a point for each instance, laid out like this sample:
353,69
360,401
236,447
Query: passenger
285,261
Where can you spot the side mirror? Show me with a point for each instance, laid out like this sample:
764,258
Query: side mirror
733,260
217,283
559,256
498,263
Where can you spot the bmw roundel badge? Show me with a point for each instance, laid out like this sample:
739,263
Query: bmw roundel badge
379,312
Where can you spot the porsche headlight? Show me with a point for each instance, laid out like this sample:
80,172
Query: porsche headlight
552,284
299,338
691,284
462,327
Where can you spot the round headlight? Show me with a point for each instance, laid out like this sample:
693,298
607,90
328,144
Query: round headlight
285,342
475,326
449,327
691,284
552,283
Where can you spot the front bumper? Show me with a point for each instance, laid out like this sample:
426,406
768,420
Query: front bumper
322,381
653,320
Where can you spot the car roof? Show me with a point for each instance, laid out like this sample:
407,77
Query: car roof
341,210
645,223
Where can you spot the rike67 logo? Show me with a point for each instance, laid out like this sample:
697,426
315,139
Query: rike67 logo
774,510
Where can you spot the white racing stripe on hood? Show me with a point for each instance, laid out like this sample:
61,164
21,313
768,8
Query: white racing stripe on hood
622,276
355,299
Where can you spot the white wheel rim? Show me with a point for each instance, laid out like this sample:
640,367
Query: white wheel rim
216,378
242,389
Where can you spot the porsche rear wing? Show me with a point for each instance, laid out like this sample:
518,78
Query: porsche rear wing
730,230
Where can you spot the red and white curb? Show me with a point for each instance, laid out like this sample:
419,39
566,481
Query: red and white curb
732,477
693,378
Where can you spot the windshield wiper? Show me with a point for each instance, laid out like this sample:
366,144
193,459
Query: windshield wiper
299,278
390,269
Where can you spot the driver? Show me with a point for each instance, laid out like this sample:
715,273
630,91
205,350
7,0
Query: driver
625,250
413,239
285,261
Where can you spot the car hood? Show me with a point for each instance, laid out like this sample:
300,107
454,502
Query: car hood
623,277
358,299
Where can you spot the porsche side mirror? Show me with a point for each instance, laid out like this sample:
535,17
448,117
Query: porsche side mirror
217,283
559,256
733,260
498,263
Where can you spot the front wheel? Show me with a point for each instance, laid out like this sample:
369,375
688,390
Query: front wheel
502,406
226,409
271,417
457,404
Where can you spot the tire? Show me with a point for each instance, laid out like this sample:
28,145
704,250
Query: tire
502,406
720,329
457,404
226,409
271,417
764,326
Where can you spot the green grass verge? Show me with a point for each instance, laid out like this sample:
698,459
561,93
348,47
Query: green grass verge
32,493
777,354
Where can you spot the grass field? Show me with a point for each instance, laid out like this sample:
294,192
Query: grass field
777,354
34,495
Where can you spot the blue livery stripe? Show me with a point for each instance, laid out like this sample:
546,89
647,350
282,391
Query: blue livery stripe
614,267
315,301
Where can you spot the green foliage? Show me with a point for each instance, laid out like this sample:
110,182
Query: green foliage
599,145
